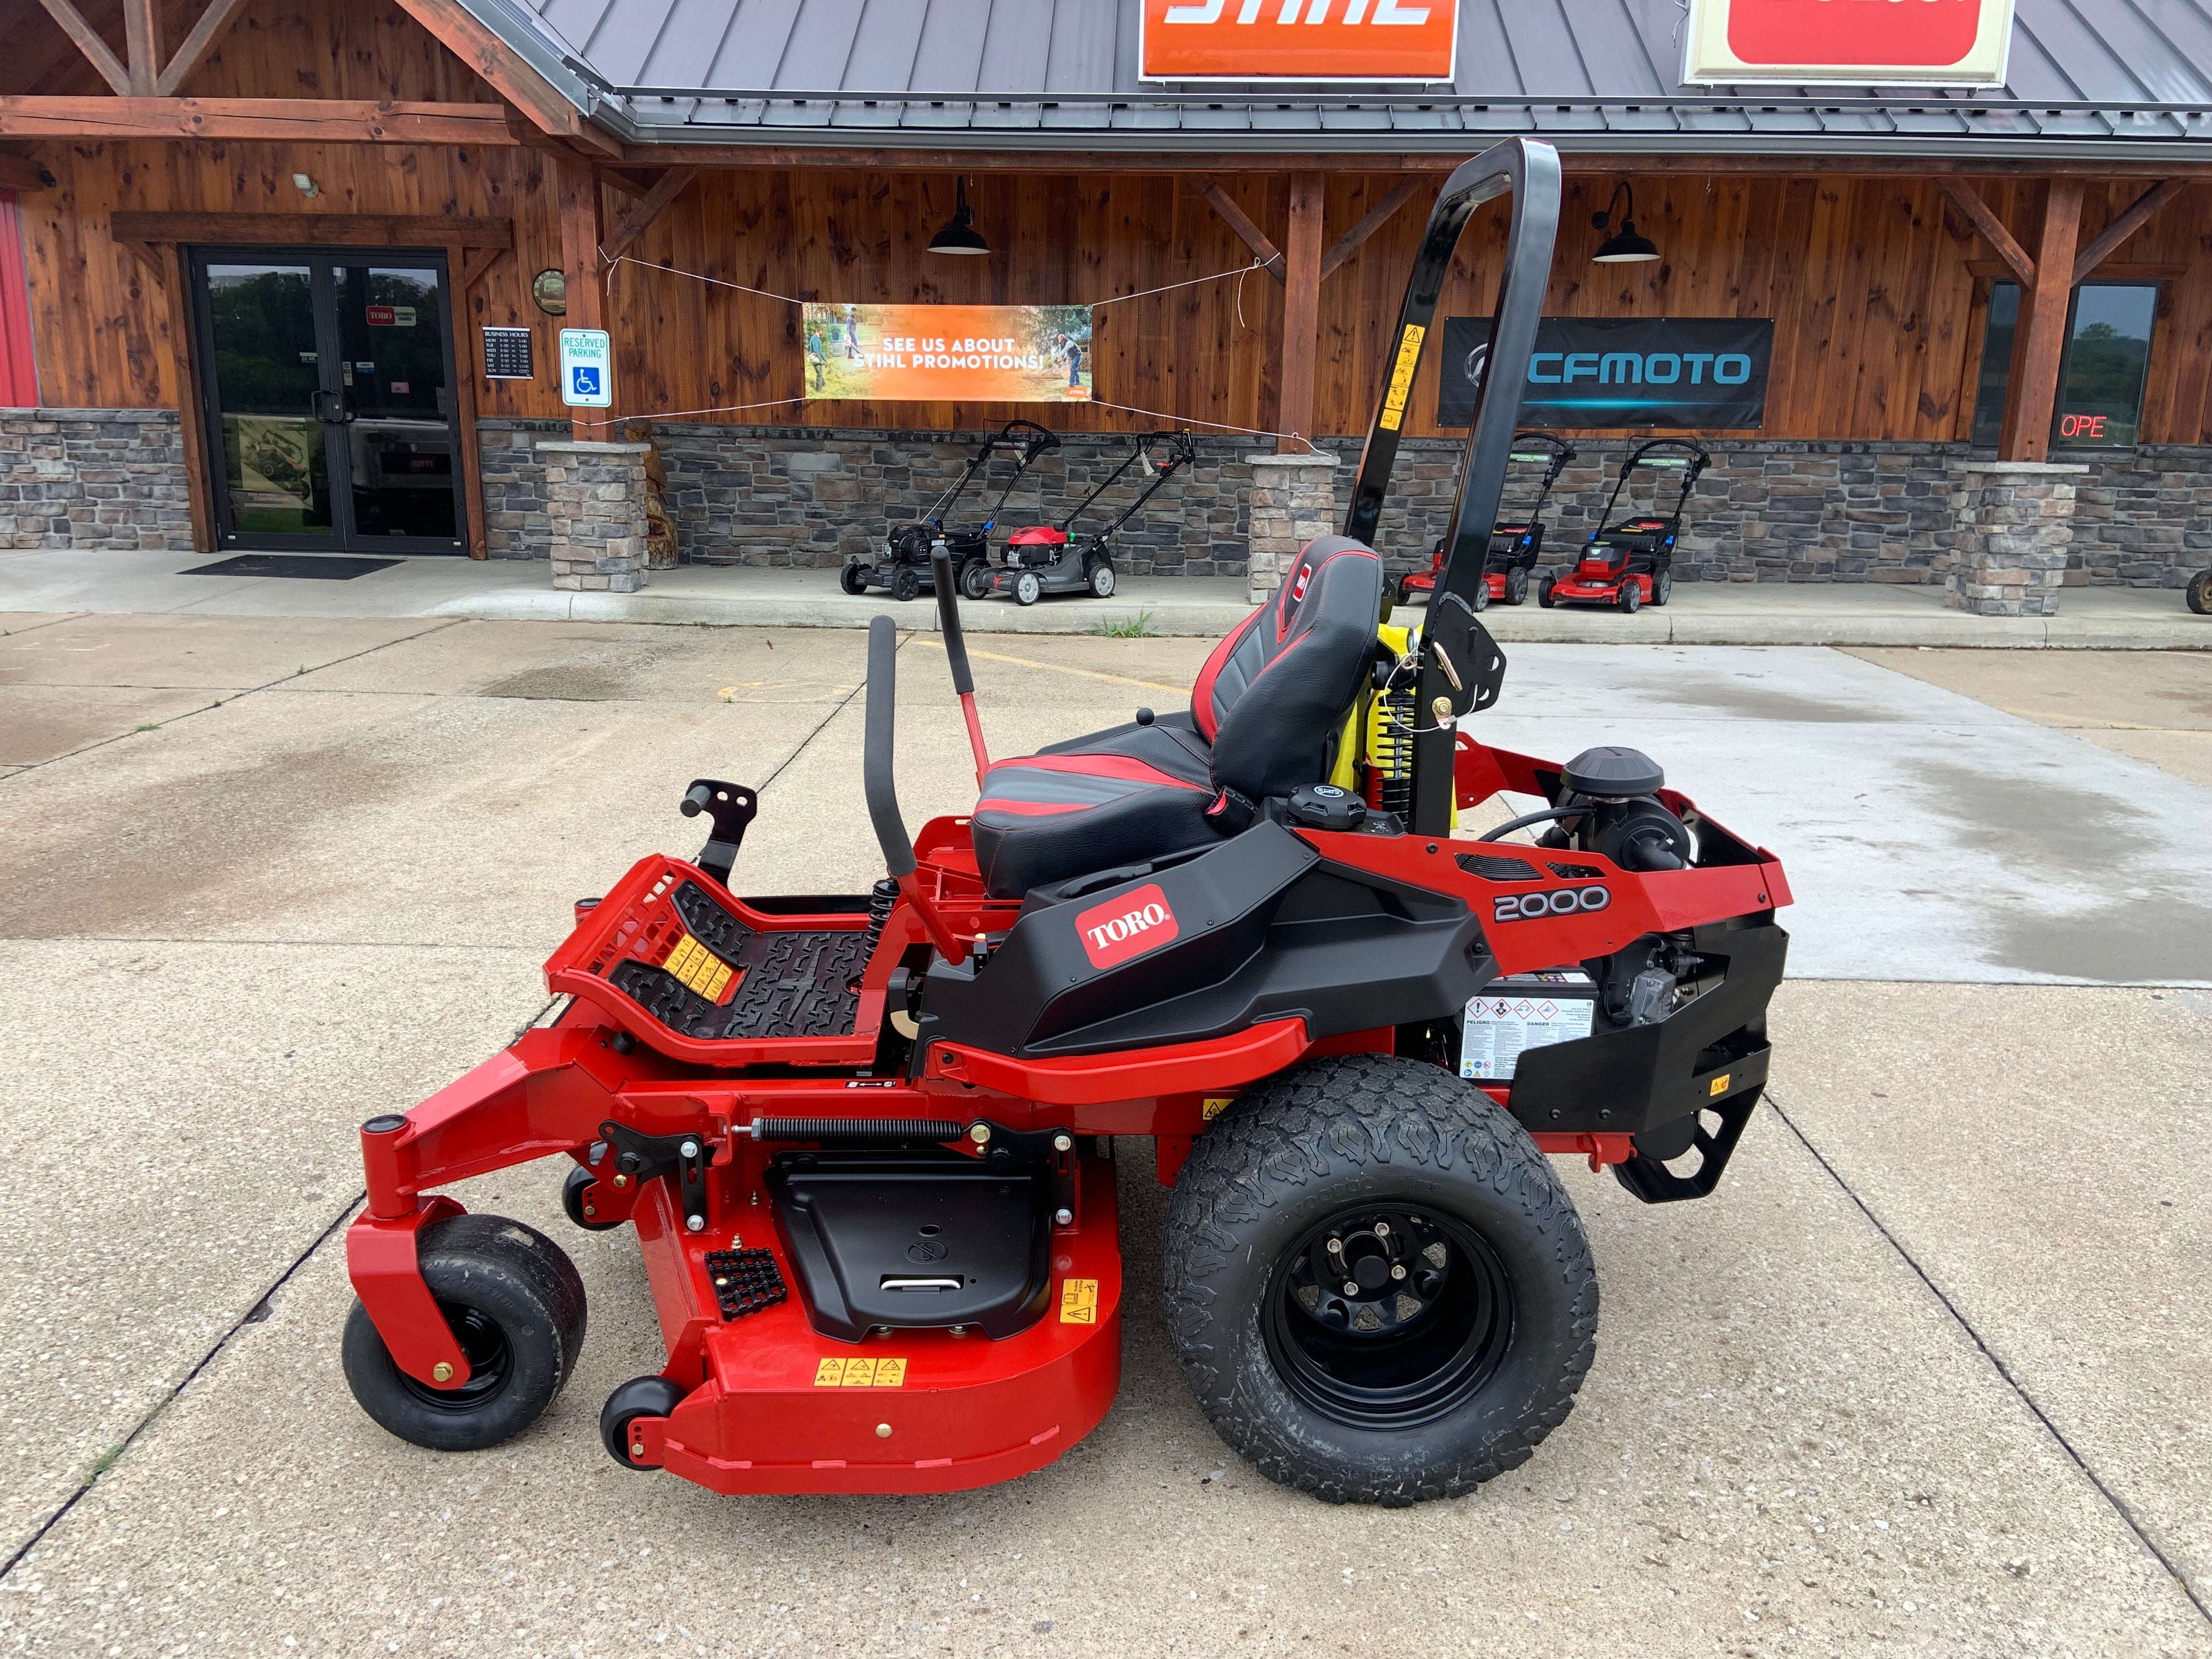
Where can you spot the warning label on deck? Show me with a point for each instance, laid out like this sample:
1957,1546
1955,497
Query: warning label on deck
1079,1302
694,965
860,1374
1503,1023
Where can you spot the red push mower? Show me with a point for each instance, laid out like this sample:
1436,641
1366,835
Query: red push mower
1516,544
1056,559
1631,563
865,1142
904,569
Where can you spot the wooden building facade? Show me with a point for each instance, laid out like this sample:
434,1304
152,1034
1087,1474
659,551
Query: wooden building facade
423,203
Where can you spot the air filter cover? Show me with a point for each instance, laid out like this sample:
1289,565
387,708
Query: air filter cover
1611,771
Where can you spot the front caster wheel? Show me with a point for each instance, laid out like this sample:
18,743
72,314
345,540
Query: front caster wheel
513,1301
905,584
1028,588
573,1201
1375,1283
641,1396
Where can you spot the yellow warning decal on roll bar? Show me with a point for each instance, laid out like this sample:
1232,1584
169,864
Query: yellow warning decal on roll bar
1079,1302
1401,377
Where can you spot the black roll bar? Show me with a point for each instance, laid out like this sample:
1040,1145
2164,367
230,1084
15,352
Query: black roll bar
879,743
1460,666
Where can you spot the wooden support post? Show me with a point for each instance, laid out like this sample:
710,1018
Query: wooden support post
468,363
583,228
1301,313
142,45
2039,344
199,489
1248,231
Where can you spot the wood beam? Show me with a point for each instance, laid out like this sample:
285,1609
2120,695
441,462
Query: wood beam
341,120
89,43
21,173
476,45
468,363
315,229
2039,343
473,263
191,413
583,229
2138,215
142,45
671,185
156,261
196,45
1242,222
1301,313
1963,196
1370,221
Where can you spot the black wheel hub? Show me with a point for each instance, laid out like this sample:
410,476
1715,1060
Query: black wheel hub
1388,1316
483,1345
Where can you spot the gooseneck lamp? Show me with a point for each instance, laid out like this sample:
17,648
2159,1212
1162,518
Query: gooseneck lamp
1627,245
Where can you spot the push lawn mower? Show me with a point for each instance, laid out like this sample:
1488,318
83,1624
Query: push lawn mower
866,1142
1631,563
1514,544
1052,559
905,569
2199,594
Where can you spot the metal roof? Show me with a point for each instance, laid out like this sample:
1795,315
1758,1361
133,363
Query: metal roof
2089,78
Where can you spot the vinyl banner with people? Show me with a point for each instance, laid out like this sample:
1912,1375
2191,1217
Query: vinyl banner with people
1683,373
949,354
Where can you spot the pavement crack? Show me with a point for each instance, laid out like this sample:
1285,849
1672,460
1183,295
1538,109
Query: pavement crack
2119,1504
442,624
257,1311
805,743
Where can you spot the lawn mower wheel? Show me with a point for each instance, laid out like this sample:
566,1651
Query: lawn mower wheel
572,1201
2199,592
641,1396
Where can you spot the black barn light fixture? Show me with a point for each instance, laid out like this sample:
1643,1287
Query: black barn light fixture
1627,245
959,235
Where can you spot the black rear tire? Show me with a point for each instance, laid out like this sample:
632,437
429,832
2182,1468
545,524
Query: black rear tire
1456,1391
905,584
1544,595
1662,588
1481,600
2199,594
1517,586
514,1301
641,1396
853,579
572,1201
975,580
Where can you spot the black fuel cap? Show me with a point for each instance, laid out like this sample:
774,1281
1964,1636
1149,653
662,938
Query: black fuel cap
1611,771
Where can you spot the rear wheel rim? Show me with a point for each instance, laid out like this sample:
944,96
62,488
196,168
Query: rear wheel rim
1403,1351
492,1362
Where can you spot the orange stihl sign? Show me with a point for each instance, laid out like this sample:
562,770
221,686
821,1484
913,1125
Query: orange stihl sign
1300,40
1937,43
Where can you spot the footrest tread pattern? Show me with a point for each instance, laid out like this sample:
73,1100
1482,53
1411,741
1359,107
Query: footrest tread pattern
745,1281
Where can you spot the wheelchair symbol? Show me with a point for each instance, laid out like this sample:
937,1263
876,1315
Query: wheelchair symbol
583,382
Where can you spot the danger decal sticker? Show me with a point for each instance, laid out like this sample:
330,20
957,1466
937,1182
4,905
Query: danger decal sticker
1126,927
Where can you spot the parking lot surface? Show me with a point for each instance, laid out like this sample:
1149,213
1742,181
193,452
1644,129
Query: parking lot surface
1924,1376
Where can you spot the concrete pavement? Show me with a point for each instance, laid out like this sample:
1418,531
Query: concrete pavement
1920,1377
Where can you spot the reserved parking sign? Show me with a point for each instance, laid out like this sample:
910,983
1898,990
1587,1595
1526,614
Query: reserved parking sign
587,368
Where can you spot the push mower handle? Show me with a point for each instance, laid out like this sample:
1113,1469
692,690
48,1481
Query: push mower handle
881,739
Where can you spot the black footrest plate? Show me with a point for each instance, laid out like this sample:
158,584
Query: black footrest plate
745,1281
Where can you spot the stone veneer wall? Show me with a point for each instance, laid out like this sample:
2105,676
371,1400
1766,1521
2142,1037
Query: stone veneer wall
1765,511
92,478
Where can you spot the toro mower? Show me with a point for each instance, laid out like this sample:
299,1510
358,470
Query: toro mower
1630,563
1516,543
1055,559
865,1143
905,567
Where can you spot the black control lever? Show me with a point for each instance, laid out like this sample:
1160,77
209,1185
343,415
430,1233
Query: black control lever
731,807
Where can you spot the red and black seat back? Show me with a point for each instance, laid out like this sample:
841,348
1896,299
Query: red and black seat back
1272,698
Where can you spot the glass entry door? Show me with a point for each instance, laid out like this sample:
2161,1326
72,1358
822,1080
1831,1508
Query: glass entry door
327,380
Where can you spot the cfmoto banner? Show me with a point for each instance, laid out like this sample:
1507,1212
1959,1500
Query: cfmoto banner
1689,372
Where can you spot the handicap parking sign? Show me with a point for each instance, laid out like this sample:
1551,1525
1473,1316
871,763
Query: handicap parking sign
587,368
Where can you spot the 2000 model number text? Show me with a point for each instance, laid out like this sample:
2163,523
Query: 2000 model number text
1560,901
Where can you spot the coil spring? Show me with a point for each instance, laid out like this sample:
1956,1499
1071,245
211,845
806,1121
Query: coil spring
883,899
1390,751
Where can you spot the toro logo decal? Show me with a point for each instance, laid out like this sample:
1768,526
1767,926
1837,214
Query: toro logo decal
1126,927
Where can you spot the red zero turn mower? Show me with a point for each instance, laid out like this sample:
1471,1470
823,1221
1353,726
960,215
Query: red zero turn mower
1052,559
1516,543
1630,563
864,1141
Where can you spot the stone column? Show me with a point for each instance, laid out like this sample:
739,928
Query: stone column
2013,523
595,497
1293,500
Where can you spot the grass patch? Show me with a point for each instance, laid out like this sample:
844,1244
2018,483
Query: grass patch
148,728
1138,627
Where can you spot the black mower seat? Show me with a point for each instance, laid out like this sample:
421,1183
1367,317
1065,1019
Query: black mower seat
1135,793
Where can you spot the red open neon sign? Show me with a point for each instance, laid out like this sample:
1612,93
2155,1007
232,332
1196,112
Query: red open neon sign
2082,425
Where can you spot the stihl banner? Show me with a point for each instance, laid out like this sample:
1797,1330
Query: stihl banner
1931,43
1299,40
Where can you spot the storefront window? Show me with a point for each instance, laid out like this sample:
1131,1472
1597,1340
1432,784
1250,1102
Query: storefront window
2100,379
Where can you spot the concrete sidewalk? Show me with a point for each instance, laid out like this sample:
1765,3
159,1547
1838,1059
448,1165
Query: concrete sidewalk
2101,618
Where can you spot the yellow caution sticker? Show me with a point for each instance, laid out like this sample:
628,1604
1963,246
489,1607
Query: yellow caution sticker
698,969
858,1373
1718,1086
1079,1302
1214,1105
1401,377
